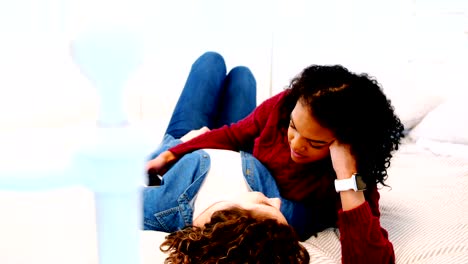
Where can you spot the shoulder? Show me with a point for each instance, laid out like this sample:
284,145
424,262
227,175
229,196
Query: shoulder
279,96
273,102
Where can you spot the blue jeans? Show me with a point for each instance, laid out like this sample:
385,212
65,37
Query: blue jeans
211,98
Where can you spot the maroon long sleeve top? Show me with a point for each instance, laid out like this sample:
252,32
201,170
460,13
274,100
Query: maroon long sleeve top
363,240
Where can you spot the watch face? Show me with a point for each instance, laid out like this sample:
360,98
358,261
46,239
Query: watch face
361,185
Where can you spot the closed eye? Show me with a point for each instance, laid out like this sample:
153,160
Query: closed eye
266,203
291,125
316,146
312,144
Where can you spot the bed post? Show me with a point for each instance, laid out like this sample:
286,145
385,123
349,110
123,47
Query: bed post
112,163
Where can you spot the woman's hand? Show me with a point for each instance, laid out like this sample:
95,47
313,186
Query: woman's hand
344,165
343,160
159,164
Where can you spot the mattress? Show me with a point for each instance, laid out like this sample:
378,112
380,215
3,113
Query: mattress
424,211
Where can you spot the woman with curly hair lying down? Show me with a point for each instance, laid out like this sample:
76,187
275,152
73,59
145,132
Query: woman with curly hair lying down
221,206
235,235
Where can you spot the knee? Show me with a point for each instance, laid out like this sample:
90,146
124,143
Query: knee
244,75
241,70
212,60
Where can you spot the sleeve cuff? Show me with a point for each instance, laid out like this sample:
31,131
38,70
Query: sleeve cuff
359,216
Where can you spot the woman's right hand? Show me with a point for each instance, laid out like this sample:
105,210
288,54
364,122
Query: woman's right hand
159,164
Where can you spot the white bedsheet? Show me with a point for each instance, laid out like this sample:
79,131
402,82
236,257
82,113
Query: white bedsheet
425,214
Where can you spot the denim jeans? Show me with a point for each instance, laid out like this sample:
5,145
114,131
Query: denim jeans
211,98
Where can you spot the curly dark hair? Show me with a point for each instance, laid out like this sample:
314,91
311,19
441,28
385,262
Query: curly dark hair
355,108
235,235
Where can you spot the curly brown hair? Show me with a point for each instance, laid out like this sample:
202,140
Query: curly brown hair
235,235
355,108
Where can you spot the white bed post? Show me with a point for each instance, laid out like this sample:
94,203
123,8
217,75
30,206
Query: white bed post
112,163
113,169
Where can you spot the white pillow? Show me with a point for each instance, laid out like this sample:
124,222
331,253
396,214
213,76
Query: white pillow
150,242
444,148
446,123
411,108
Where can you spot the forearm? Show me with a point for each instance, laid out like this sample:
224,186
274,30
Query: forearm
362,238
215,139
350,199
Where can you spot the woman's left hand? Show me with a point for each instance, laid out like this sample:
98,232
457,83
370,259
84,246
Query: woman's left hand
343,160
344,165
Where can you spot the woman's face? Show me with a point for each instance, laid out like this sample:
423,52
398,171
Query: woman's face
308,140
256,202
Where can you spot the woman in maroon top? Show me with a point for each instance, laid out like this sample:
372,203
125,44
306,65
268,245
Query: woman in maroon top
329,124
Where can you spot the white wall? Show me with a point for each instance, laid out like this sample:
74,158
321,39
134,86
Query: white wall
411,46
408,45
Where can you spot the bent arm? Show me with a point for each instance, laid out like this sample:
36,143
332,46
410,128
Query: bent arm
236,136
362,238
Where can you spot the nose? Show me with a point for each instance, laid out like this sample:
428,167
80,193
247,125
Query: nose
296,142
275,202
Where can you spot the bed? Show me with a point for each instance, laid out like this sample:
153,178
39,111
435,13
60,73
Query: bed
52,214
425,210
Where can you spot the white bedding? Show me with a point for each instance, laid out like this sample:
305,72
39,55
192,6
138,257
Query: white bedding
425,211
425,214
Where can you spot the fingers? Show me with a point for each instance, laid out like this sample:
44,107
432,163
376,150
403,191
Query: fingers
152,165
161,162
155,168
343,160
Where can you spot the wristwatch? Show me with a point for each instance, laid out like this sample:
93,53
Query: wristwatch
354,183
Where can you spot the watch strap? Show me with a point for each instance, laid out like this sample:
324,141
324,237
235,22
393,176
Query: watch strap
346,184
